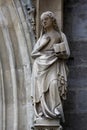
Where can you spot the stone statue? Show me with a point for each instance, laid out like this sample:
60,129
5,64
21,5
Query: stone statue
49,72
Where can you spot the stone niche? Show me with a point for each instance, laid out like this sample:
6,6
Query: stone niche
57,8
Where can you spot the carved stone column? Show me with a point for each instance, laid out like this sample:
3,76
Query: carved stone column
15,70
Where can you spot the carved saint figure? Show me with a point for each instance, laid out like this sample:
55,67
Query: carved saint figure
49,72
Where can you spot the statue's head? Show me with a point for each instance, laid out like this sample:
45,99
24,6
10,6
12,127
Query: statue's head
52,19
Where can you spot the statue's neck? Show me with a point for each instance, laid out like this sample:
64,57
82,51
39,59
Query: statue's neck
49,29
50,32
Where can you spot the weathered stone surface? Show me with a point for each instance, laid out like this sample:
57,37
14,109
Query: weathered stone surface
75,18
75,27
16,109
70,103
15,70
82,100
75,121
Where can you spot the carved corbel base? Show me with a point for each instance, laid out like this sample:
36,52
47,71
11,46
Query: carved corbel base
47,124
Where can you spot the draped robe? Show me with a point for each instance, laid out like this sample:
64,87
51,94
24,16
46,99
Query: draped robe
49,79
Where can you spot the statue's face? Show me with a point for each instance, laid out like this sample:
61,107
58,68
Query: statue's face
46,21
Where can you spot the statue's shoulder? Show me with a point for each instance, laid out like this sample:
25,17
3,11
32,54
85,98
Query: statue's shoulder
62,33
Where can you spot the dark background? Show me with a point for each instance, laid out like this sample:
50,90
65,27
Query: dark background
75,28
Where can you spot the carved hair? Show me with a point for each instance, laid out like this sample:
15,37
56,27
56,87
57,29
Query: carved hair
54,21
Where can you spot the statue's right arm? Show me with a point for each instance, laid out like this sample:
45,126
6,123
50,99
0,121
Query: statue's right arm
40,44
35,52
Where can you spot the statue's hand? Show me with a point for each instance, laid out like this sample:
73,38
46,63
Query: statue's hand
48,39
45,40
61,55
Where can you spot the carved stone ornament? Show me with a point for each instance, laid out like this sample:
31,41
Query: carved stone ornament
49,75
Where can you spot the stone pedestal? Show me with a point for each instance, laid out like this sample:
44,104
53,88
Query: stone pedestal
47,124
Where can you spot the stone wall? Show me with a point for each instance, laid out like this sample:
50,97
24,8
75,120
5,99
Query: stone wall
75,27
